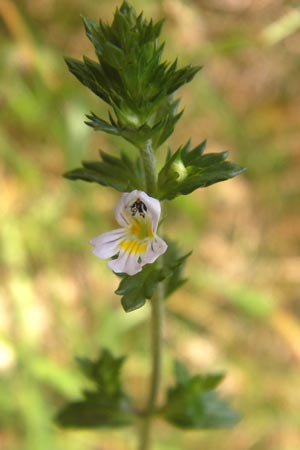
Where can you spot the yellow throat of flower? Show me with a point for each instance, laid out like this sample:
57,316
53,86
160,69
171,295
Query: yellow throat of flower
132,246
141,228
140,232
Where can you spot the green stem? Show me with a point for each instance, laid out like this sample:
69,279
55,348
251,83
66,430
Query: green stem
149,165
157,311
157,305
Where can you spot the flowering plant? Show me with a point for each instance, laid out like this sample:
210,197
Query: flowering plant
130,77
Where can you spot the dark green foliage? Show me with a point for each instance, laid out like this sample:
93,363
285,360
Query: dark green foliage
106,405
139,287
193,402
131,78
122,174
175,263
136,289
187,170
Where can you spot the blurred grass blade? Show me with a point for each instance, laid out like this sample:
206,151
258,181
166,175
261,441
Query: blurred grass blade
282,28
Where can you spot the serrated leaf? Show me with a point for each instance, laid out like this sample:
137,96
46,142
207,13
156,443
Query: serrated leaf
208,381
113,55
95,412
181,373
122,174
186,170
175,262
206,176
94,33
188,156
105,406
80,70
136,289
104,371
193,403
100,124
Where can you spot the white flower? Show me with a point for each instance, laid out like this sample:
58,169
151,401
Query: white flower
136,243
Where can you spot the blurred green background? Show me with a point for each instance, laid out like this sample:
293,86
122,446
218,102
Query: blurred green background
240,309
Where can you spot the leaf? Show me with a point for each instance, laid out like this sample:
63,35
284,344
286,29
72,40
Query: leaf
181,373
175,264
94,412
101,125
104,371
122,174
193,402
84,73
105,406
136,289
187,170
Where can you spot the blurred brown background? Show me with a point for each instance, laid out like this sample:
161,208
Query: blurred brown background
239,311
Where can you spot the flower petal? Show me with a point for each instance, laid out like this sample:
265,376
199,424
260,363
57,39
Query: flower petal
122,209
156,247
153,207
125,263
106,245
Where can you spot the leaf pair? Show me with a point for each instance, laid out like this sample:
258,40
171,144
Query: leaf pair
184,171
122,174
106,405
128,126
193,403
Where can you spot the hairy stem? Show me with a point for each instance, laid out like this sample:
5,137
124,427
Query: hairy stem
157,312
149,165
156,342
